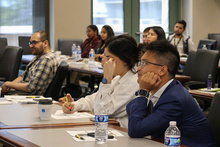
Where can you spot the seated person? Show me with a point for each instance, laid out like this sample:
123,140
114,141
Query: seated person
183,42
171,101
119,83
106,33
91,42
145,34
152,34
39,72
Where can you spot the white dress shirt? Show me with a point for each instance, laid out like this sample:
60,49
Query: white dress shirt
113,97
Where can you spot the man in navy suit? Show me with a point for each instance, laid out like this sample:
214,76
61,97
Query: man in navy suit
171,101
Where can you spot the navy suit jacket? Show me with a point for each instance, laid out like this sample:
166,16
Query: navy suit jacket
175,104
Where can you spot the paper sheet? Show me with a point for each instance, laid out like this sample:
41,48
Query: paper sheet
76,115
4,102
24,99
115,133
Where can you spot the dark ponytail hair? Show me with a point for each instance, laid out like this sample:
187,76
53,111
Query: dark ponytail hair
124,47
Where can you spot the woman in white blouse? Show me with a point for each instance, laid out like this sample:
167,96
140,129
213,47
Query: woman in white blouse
119,83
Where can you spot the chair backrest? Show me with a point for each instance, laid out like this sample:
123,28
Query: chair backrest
3,44
55,86
205,63
214,117
65,45
189,63
10,62
210,44
23,42
215,36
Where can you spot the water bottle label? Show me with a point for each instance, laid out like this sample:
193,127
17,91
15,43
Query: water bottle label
101,118
91,55
172,141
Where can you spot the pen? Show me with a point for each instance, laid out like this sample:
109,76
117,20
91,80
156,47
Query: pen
68,103
33,97
77,136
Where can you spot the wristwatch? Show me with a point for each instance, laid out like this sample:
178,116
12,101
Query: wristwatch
104,80
143,93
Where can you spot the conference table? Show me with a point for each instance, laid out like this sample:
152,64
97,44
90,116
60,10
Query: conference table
198,94
14,115
36,137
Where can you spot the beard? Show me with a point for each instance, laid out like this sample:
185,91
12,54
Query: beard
178,34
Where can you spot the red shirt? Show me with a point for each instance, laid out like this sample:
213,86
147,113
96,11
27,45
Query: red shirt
87,45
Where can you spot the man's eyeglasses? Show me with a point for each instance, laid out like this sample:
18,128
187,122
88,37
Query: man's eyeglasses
34,42
142,63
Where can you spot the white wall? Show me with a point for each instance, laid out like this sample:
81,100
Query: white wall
205,17
69,19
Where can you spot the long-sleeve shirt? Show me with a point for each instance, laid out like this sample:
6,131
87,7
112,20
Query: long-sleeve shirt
113,97
40,73
87,45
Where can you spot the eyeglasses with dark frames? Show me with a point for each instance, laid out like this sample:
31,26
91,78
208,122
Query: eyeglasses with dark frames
34,42
142,63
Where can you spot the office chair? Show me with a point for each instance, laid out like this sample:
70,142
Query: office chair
210,44
205,63
214,117
3,44
65,45
189,63
10,63
23,42
54,88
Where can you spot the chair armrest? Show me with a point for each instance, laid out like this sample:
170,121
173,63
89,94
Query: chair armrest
195,85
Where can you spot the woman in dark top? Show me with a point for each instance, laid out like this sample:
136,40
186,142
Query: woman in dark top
91,42
106,33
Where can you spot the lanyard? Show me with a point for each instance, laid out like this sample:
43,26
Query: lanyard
177,42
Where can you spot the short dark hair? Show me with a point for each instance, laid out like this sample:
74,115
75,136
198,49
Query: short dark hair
124,47
147,29
43,36
181,22
160,32
94,28
165,54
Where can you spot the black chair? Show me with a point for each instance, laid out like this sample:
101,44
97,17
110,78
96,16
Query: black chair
214,117
215,36
55,86
10,63
210,44
23,42
3,44
205,63
189,63
65,45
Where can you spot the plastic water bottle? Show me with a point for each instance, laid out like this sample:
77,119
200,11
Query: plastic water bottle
101,122
92,58
78,57
204,47
209,82
172,135
74,51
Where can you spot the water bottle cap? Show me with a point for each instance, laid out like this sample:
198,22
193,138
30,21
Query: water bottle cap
172,123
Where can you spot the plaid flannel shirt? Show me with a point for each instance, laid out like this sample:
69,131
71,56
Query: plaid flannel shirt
40,73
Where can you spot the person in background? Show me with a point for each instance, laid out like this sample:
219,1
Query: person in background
183,43
106,33
162,99
119,82
154,33
91,42
39,72
145,34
